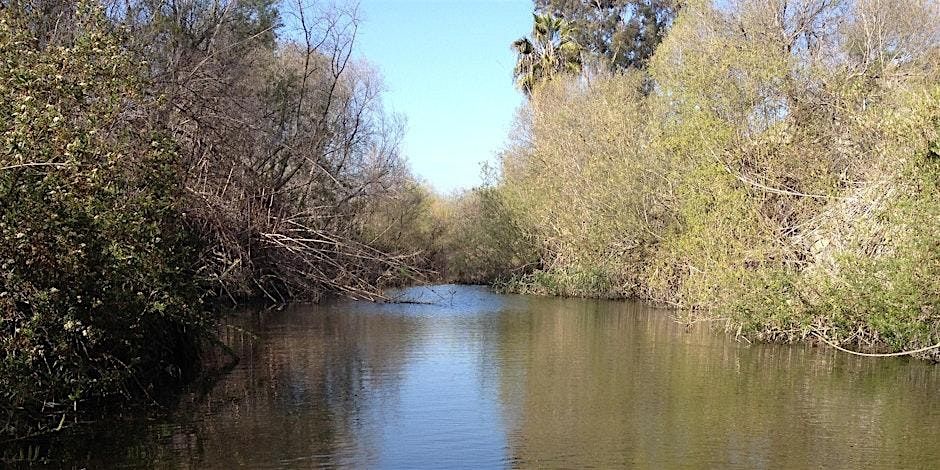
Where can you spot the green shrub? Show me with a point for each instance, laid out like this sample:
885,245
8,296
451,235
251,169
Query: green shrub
882,296
569,281
97,298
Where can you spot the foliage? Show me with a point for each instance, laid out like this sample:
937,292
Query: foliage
486,243
552,50
587,181
875,278
97,295
765,169
467,237
285,144
621,34
159,153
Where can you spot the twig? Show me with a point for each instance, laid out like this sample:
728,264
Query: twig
24,165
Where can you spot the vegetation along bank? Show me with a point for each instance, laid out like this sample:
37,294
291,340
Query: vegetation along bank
160,157
770,166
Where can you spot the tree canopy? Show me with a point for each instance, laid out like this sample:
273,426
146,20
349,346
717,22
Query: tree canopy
620,34
551,49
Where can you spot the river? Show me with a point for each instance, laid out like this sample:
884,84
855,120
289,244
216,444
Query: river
466,378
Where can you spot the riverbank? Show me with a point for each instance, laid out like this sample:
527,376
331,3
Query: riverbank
793,192
862,271
144,176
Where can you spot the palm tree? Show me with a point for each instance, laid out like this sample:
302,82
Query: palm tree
552,50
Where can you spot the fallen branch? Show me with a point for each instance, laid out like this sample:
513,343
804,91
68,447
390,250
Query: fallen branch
902,353
26,165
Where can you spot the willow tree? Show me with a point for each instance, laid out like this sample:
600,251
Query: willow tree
551,50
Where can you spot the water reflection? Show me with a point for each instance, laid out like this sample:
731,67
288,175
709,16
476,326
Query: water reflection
466,378
608,384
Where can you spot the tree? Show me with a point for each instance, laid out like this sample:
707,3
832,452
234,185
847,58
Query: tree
551,50
619,33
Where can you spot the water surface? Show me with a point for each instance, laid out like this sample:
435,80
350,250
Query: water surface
472,379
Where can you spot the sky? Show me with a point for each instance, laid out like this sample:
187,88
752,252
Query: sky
447,67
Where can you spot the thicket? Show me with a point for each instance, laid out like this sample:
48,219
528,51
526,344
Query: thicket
98,297
775,166
157,155
284,138
467,237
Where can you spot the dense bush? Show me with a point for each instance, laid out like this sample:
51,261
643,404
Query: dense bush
485,244
466,237
879,284
97,294
774,166
588,183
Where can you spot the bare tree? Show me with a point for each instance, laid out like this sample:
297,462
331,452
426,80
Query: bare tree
888,37
285,138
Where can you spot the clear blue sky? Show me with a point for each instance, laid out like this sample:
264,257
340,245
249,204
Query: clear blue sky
447,66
